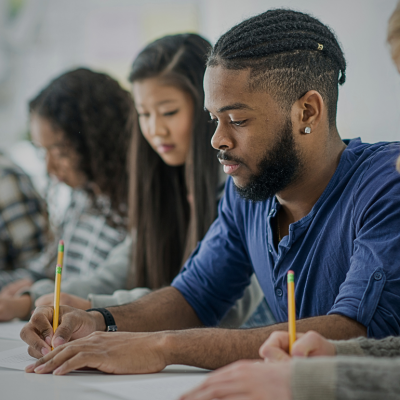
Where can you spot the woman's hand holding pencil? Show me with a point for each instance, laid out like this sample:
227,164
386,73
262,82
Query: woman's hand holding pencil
310,344
281,346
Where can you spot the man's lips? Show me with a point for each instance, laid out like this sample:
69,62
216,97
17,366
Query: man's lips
229,166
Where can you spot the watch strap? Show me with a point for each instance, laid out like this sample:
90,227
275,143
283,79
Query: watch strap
108,319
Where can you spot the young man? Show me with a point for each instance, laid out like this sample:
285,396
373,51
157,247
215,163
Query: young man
366,368
299,198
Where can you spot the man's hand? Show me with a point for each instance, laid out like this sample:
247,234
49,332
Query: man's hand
15,307
310,344
74,324
14,288
246,380
111,352
65,300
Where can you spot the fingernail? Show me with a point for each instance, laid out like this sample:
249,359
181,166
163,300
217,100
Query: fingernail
39,368
57,371
30,367
45,351
58,341
48,340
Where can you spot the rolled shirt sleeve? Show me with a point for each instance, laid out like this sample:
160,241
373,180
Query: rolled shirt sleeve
370,293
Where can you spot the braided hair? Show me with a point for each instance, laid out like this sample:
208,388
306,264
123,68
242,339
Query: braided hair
288,53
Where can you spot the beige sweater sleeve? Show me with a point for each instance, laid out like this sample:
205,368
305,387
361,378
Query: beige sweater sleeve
387,347
313,379
350,378
346,378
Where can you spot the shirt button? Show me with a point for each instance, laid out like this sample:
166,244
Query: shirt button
270,248
271,213
279,292
378,276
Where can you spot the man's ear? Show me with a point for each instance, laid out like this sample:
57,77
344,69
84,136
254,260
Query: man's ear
309,111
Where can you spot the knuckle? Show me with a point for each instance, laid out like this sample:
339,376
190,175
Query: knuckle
215,392
24,331
313,335
64,331
275,334
95,337
32,352
37,316
37,347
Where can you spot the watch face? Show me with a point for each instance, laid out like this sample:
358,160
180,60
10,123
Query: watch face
112,328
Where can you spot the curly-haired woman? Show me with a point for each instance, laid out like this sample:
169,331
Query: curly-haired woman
82,121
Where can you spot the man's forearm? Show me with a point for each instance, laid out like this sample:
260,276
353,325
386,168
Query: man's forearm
213,348
164,309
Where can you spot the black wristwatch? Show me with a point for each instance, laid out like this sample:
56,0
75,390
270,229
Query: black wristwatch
108,319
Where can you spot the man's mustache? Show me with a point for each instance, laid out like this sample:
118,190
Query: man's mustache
223,155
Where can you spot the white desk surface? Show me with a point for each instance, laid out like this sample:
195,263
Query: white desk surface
19,385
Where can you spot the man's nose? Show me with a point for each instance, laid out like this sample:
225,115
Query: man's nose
221,140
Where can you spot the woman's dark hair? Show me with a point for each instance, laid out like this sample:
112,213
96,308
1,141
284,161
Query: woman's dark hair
288,54
95,116
167,226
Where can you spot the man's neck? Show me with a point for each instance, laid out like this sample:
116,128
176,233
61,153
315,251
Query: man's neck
298,199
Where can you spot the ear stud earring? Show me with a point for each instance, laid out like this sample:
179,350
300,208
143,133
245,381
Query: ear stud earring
307,130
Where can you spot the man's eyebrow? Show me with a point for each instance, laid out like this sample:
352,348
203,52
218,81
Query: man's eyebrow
235,106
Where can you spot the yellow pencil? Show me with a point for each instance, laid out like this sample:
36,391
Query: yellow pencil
57,285
291,310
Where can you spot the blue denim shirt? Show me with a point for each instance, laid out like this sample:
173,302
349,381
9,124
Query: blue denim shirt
345,253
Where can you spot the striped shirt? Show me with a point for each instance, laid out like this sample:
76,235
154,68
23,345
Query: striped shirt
88,239
23,221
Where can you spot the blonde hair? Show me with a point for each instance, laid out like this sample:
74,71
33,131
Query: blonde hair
393,39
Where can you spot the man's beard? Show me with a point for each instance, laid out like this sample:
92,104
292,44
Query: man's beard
278,168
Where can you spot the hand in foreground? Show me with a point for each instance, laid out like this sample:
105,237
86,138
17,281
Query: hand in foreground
310,344
14,288
65,300
111,352
15,307
74,324
246,380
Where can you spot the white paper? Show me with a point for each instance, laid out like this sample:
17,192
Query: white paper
166,388
11,330
17,358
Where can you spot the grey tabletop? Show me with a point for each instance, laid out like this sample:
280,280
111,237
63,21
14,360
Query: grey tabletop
20,385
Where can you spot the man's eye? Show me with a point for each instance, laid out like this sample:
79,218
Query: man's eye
238,123
169,113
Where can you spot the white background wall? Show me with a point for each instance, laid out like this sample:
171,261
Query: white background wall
45,37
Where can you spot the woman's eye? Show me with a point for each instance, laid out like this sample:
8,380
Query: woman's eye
169,113
143,115
238,123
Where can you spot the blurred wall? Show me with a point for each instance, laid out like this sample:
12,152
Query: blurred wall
39,39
